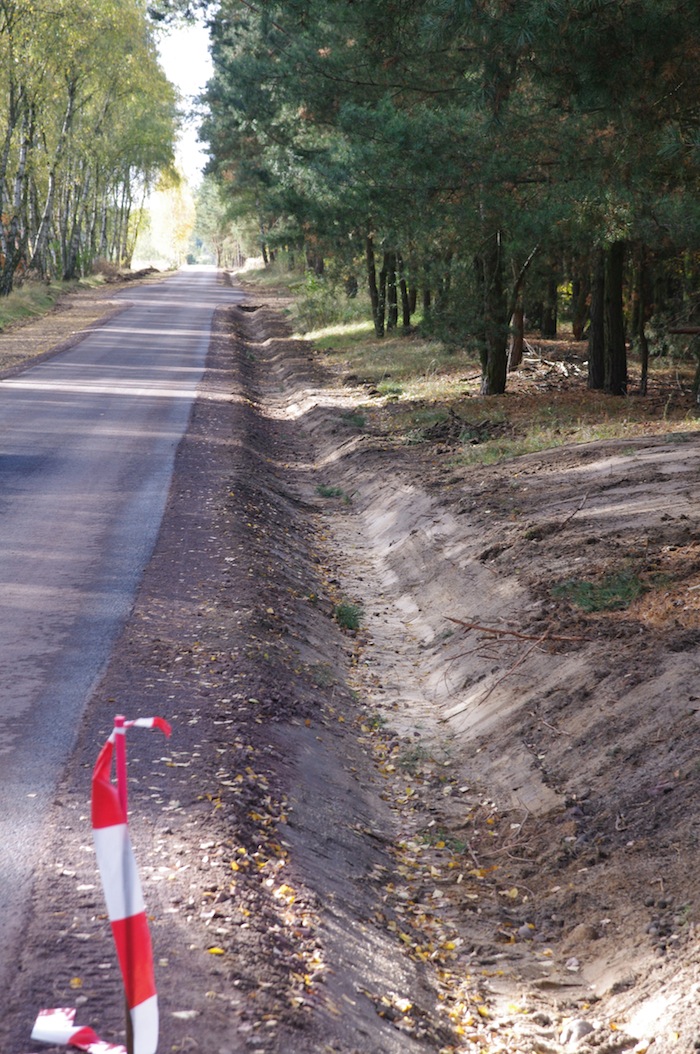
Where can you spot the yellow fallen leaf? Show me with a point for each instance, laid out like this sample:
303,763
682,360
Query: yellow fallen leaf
216,951
482,1011
76,982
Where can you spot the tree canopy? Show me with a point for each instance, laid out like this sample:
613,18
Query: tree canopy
472,158
88,123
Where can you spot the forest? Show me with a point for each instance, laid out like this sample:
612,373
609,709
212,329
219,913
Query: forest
477,166
88,124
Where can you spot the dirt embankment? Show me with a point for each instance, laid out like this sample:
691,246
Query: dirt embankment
469,824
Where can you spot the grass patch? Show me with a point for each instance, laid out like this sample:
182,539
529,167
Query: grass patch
273,277
322,675
410,759
390,389
325,491
347,615
612,593
404,366
35,298
29,301
420,382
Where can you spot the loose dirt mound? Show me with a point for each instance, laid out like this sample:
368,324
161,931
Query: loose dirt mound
468,824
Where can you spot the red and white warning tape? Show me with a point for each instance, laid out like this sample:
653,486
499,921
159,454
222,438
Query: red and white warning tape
57,1028
125,907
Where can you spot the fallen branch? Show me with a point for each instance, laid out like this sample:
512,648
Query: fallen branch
536,642
511,632
572,514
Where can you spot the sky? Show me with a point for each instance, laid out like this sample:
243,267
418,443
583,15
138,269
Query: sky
184,56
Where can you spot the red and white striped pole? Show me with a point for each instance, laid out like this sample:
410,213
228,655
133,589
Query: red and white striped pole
125,907
122,887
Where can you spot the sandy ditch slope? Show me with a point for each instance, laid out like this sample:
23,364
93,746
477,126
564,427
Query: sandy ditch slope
549,755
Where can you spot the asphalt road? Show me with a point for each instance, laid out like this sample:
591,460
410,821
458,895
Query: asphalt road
87,446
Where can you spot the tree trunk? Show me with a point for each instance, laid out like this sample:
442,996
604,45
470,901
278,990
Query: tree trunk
494,352
517,315
427,291
377,313
405,299
642,311
15,237
71,267
39,251
615,345
596,335
263,243
392,292
581,289
517,338
381,304
549,310
405,304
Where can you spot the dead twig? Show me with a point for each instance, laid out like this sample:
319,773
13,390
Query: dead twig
572,514
474,857
512,633
557,731
488,853
494,686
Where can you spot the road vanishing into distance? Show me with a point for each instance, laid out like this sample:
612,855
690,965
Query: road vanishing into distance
87,446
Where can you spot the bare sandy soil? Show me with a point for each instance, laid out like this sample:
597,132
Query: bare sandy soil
469,824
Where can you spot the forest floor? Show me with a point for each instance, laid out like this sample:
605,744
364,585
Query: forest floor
471,822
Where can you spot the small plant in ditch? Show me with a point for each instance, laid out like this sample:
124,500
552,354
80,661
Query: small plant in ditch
325,491
348,615
374,720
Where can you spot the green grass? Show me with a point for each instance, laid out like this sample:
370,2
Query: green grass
329,492
29,301
419,380
36,298
612,593
347,615
325,491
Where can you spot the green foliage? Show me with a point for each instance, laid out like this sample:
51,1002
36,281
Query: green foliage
325,491
32,300
613,593
347,615
322,301
88,124
438,148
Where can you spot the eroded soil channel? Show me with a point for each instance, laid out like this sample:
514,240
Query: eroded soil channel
468,824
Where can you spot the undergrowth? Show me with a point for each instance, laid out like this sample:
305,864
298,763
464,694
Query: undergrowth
34,298
422,391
